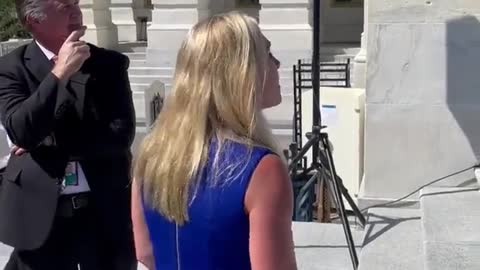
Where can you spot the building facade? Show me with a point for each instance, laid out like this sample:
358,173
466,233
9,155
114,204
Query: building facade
160,26
111,22
417,61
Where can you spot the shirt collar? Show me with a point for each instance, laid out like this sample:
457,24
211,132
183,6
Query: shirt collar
45,51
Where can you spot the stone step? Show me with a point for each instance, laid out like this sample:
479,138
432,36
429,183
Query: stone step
286,83
138,67
138,63
138,83
335,58
136,55
143,74
281,127
137,46
339,49
322,246
143,70
450,220
287,71
281,124
148,79
281,115
138,86
392,240
283,137
143,86
139,104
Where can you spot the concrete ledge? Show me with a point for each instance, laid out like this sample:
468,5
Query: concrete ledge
392,240
450,222
450,214
365,202
321,246
317,246
452,256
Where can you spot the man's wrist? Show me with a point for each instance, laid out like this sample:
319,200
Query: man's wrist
61,76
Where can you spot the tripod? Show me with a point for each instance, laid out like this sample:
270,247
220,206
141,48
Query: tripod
323,169
323,166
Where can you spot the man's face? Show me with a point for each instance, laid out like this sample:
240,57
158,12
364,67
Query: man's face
62,18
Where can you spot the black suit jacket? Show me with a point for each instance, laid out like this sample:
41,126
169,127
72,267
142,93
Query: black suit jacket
90,119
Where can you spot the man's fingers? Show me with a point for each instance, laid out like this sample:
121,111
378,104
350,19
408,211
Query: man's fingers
86,56
20,152
79,43
83,48
17,150
76,35
84,53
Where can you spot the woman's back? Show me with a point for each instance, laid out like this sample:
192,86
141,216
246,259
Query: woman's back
217,233
225,75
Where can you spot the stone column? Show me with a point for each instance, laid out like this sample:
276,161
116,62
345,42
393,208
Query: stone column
423,97
123,18
360,61
142,13
207,8
100,29
171,21
249,7
324,9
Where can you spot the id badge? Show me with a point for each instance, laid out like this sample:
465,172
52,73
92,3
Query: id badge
71,174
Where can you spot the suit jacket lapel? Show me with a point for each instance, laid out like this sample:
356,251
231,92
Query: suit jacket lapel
78,84
36,62
40,66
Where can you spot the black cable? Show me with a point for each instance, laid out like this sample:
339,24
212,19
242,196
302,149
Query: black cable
420,188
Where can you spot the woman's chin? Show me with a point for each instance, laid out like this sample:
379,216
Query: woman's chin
272,103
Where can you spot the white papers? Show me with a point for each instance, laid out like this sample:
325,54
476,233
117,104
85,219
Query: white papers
329,115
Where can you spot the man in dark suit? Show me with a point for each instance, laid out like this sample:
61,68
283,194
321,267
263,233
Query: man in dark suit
67,106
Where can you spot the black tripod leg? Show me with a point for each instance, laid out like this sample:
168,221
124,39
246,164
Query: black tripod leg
350,201
334,188
326,157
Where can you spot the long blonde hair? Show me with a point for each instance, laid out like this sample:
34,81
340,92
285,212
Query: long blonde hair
219,76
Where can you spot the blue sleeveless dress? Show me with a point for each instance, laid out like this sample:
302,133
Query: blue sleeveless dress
217,235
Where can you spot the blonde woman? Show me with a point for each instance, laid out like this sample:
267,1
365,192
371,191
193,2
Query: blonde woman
211,192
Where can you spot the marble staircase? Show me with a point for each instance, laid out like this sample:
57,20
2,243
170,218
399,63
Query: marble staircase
450,226
441,234
392,240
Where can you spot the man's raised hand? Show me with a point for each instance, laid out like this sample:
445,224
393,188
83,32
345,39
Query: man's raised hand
71,55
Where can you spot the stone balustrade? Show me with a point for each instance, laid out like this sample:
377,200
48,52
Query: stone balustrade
12,44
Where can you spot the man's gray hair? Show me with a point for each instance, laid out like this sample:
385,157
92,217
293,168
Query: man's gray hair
33,9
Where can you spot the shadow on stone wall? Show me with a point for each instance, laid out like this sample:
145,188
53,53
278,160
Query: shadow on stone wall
463,89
